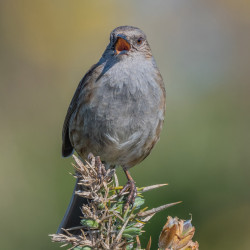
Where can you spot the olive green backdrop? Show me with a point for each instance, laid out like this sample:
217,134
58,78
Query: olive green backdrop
202,49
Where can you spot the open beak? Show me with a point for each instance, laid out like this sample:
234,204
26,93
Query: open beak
121,45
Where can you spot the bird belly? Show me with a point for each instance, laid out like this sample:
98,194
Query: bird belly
119,124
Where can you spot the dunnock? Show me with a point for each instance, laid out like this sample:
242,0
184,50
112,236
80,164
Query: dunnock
117,110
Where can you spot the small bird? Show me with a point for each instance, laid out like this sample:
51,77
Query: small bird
117,111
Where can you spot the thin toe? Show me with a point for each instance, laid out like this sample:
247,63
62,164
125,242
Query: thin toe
131,196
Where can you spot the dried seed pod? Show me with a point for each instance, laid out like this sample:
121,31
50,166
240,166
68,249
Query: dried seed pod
177,234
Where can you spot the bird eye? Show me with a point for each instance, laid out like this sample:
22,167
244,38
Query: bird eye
139,41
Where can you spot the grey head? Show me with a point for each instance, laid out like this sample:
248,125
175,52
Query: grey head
127,41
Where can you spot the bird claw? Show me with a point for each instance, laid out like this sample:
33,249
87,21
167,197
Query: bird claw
99,166
97,163
91,159
132,194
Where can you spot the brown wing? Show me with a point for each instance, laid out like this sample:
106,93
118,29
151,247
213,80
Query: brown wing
67,148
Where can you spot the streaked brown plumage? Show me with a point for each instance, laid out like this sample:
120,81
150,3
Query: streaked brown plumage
118,108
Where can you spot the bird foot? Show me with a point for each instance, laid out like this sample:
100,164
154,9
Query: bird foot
132,194
97,163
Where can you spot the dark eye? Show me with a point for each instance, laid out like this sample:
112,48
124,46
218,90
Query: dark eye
139,41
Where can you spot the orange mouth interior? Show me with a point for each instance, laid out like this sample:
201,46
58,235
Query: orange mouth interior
121,45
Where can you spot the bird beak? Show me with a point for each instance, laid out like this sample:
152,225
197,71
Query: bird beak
121,45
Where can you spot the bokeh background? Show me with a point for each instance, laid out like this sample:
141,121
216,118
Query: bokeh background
202,49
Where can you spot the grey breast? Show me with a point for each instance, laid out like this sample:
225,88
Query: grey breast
123,114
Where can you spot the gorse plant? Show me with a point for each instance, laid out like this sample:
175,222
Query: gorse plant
105,224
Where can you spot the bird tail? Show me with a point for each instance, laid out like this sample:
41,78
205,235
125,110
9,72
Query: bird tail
72,218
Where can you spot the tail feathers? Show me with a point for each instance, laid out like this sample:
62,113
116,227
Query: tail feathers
73,212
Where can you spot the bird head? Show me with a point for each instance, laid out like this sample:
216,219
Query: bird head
129,41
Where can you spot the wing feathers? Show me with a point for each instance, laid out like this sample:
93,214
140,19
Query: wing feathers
67,148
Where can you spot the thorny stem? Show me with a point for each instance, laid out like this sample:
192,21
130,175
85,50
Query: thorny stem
108,223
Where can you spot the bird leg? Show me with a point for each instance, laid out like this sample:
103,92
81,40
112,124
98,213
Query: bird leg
99,167
97,163
133,191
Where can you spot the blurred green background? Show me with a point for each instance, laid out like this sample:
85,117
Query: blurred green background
203,51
